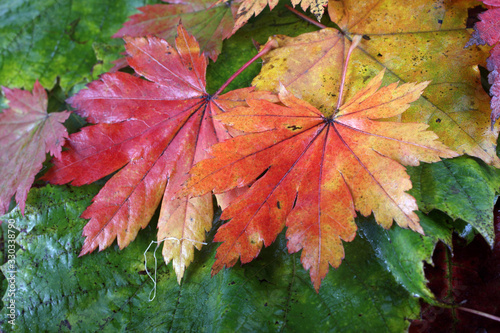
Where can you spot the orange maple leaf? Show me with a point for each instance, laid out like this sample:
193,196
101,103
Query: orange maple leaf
317,172
455,105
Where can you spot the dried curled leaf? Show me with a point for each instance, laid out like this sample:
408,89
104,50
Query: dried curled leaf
317,7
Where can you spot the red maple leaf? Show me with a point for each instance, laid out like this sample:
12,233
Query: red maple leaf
317,172
487,31
28,132
150,132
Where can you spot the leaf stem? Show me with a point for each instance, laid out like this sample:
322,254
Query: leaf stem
479,313
355,41
305,18
271,44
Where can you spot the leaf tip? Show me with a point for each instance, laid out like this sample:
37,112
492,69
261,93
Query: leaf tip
85,250
216,268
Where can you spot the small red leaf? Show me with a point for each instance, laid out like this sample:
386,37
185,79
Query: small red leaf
28,132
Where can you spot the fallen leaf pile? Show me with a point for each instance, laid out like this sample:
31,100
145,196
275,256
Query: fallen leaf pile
325,133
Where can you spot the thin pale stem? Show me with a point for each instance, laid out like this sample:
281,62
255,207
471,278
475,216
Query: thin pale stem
479,313
271,44
305,18
354,43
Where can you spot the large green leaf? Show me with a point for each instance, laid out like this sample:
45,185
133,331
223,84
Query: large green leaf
46,39
463,187
109,291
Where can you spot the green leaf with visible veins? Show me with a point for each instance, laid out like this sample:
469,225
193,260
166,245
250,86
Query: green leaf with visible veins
46,39
464,188
109,291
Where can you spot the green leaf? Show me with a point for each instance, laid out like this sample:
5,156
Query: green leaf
106,53
403,251
3,102
463,187
46,39
109,291
439,226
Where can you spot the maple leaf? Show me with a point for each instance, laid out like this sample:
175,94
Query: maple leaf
152,132
28,132
317,172
414,43
210,25
487,31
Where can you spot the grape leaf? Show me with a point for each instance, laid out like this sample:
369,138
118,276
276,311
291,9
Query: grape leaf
317,172
150,131
27,133
209,24
403,252
414,43
487,31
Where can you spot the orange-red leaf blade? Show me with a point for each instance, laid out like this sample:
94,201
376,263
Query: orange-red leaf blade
315,172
